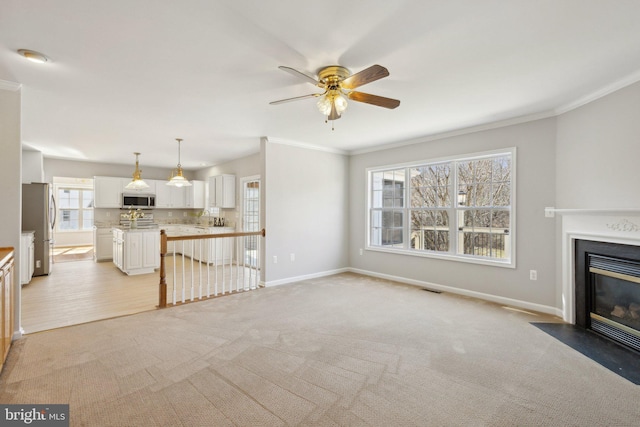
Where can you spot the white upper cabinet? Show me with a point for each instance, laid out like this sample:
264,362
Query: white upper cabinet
107,191
222,191
195,195
168,196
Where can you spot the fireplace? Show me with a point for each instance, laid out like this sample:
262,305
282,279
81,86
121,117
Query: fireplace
607,290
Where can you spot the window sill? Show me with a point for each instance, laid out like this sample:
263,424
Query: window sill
447,257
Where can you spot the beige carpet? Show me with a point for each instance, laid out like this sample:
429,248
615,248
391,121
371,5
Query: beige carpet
346,350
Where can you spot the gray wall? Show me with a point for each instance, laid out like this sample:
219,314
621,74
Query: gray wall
535,247
597,152
10,183
598,148
306,207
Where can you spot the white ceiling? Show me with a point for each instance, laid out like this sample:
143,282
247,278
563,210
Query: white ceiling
131,76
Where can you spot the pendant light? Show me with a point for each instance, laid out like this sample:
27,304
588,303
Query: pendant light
137,183
177,179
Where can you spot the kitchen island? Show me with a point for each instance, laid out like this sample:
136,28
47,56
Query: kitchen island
136,250
210,251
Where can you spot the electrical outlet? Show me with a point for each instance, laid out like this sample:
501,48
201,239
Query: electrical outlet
361,251
169,214
275,259
293,257
184,214
38,264
533,275
108,214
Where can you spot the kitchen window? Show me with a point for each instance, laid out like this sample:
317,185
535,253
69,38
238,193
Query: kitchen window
75,209
455,208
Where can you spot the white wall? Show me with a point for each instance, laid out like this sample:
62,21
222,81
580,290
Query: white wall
10,182
535,238
598,152
306,211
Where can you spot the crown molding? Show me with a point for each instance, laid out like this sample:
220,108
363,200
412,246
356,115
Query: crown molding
8,85
609,89
458,132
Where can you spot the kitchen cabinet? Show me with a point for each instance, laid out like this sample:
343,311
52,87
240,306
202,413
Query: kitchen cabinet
118,248
7,269
195,195
222,191
27,257
102,244
107,191
168,196
136,251
211,251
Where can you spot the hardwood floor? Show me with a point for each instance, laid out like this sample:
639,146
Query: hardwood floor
72,253
85,291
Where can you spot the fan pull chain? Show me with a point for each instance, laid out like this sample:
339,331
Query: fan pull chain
332,122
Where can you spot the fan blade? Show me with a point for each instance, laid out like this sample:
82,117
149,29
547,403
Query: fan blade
380,101
282,101
300,74
368,75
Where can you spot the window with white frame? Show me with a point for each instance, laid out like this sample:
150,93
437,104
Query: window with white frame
460,208
75,209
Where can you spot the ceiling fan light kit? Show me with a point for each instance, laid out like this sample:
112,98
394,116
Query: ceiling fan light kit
338,84
177,179
137,183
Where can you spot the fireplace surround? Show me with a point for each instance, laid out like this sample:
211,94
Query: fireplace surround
610,240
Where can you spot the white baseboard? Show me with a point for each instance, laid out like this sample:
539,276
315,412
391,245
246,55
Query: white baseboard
306,277
554,311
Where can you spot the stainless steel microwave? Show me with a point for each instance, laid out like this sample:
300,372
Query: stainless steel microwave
138,201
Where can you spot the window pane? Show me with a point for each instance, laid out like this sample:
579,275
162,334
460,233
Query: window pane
500,220
87,198
430,186
69,220
502,194
87,219
430,230
376,218
502,169
376,181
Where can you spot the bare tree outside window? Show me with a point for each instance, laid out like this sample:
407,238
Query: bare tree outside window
460,206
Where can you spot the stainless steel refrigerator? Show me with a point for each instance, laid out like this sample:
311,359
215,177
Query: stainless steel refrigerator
39,215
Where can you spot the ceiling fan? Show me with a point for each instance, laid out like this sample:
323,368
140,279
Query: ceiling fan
338,84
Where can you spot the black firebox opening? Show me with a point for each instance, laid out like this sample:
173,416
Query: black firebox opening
607,290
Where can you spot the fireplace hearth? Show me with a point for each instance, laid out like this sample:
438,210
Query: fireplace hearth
607,290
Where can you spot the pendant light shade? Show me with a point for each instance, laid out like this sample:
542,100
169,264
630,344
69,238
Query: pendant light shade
177,179
137,183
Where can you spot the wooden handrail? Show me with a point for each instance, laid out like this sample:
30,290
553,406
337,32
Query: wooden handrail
162,298
214,236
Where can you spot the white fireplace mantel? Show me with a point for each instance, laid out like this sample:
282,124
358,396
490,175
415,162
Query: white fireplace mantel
620,226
